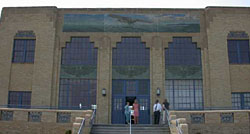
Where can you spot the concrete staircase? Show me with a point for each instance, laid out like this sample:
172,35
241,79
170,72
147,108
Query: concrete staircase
124,129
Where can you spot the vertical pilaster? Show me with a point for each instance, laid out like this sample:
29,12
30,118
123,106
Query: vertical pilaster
156,70
43,68
104,73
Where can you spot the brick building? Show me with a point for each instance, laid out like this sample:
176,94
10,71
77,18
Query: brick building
60,58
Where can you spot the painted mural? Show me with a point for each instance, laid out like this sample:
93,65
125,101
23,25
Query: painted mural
131,23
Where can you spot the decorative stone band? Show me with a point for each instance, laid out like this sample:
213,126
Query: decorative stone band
25,34
63,117
77,71
237,35
227,117
183,72
6,115
197,118
35,116
130,72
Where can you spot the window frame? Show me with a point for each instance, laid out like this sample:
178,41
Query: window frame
238,52
20,99
24,51
242,100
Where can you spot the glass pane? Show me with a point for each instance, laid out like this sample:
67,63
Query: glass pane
76,91
21,99
131,51
79,52
238,51
21,47
184,94
182,51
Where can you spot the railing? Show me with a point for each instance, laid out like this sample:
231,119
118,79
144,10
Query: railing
45,107
92,120
178,128
81,127
167,117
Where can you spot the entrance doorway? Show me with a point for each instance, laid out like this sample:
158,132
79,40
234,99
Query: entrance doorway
131,100
129,90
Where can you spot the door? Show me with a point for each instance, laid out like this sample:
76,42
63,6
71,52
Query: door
144,113
118,116
121,89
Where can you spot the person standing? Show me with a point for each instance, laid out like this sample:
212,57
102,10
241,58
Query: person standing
157,112
165,107
127,113
136,111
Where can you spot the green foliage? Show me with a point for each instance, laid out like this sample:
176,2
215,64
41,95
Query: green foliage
68,132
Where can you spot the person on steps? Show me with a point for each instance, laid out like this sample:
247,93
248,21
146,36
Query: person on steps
157,111
127,113
136,111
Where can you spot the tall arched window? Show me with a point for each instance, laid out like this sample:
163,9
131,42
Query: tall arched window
130,78
183,74
78,74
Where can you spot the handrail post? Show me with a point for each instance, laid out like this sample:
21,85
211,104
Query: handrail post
130,123
81,126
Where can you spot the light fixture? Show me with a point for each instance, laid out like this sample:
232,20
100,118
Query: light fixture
158,91
93,107
103,92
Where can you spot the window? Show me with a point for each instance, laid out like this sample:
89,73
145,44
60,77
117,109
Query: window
19,99
241,100
78,74
23,51
131,51
184,88
76,91
184,94
79,52
182,51
238,51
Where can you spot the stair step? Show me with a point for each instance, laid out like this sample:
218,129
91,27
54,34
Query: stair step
124,129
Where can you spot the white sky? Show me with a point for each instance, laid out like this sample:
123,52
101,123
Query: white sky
124,3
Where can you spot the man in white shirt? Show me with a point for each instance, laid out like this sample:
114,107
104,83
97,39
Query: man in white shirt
157,112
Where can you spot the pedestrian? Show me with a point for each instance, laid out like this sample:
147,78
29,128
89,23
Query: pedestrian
136,111
165,107
157,111
127,113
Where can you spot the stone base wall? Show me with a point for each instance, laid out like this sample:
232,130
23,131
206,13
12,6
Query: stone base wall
216,121
20,127
18,121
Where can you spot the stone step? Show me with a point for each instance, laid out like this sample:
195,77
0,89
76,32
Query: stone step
124,129
127,128
125,125
133,132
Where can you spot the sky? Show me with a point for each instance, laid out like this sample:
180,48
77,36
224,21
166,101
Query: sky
124,3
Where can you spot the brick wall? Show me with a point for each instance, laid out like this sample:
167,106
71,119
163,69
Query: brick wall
216,122
20,122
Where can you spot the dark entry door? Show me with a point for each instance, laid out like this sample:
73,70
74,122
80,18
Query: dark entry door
122,89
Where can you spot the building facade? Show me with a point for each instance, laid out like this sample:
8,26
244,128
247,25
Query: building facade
62,58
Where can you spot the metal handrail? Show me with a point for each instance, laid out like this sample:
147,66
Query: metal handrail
169,122
168,117
178,127
92,120
44,107
88,108
81,127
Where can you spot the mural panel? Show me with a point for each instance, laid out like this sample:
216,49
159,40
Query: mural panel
131,23
183,72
